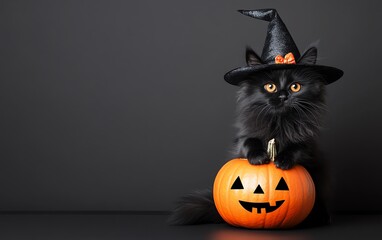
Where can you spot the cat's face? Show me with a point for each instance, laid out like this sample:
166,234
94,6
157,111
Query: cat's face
283,91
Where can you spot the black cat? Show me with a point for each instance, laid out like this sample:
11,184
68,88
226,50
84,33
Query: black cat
285,104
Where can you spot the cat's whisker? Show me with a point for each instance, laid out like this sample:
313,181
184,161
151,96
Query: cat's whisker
301,111
267,111
310,127
313,114
251,108
321,106
299,115
265,107
311,111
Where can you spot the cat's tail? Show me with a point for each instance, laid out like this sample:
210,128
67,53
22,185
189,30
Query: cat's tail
195,208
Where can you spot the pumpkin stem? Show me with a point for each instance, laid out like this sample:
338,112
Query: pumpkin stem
271,150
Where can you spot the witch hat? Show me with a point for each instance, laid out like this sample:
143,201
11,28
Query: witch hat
279,52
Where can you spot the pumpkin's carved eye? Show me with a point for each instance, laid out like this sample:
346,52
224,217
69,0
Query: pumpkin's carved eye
237,184
282,185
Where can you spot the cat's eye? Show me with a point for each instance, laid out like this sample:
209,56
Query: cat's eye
295,87
270,87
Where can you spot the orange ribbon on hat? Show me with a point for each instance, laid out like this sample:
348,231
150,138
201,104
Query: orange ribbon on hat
288,59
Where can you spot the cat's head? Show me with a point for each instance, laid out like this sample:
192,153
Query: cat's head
294,95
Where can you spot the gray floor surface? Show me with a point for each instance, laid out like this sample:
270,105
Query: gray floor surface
144,226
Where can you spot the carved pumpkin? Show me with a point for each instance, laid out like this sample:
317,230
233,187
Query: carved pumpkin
263,196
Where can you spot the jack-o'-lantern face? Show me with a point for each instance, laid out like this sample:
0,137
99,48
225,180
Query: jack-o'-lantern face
263,196
281,186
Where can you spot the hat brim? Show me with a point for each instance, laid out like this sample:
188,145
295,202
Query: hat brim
238,75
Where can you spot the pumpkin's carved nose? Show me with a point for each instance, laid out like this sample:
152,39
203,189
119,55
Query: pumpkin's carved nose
259,190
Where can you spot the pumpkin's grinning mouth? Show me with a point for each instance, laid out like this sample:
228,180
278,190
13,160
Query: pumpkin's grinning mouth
268,208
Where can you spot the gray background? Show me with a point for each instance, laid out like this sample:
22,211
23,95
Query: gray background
121,105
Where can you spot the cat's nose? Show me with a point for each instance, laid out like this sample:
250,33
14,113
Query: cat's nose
283,96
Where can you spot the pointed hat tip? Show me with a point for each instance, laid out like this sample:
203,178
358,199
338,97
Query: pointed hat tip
267,14
245,12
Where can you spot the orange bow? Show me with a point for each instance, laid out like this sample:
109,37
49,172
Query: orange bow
288,59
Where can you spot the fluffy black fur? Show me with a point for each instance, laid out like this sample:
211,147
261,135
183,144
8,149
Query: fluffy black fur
195,208
292,118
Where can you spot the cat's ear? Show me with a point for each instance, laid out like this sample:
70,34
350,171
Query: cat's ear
251,57
309,56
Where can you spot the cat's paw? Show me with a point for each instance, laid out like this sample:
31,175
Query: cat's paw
284,162
258,158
